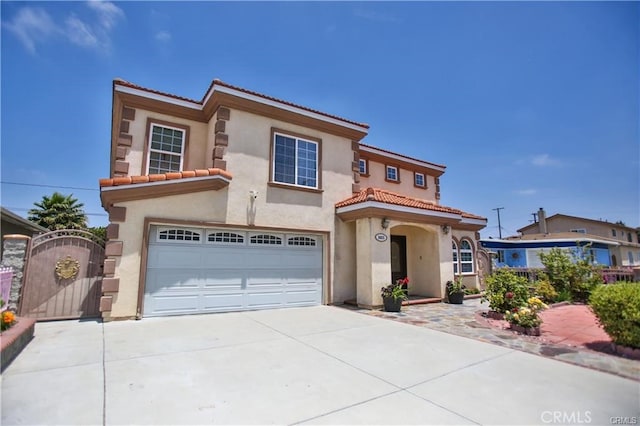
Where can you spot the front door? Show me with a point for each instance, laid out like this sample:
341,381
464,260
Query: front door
399,258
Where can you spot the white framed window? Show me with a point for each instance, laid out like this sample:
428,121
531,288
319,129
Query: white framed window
454,250
579,230
613,232
178,234
500,254
225,237
419,180
265,239
466,257
295,161
166,149
301,241
392,174
362,163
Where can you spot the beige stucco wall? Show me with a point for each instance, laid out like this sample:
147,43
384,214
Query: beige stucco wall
208,206
376,179
196,155
423,257
470,280
247,159
344,255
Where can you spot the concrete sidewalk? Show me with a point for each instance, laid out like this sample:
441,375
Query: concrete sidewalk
321,365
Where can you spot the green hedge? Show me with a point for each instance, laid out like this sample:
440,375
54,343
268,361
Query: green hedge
617,307
504,281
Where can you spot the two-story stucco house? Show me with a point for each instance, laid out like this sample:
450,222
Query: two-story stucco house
243,201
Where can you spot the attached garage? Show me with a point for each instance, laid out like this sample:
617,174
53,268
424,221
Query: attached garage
200,270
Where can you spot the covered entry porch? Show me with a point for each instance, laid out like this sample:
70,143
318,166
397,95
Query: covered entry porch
397,237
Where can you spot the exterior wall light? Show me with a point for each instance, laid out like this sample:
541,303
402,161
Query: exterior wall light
446,229
385,223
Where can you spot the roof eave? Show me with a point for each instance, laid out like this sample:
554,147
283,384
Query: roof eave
111,195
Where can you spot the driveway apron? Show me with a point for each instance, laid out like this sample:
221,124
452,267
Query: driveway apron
318,365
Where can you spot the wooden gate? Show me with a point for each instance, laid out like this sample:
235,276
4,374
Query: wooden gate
63,277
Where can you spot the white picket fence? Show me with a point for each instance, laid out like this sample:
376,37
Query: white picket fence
6,276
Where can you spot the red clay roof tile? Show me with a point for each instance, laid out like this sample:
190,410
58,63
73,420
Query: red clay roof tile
132,180
388,197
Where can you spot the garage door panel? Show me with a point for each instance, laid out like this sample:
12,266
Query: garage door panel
222,279
173,304
222,302
263,300
215,276
303,297
168,257
303,259
171,279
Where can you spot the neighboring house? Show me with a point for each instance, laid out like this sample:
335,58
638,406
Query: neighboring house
243,201
11,223
607,244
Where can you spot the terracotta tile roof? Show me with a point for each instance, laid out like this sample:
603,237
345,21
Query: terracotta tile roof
388,197
132,180
230,86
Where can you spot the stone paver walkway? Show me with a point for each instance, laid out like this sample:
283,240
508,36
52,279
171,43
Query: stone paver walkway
467,320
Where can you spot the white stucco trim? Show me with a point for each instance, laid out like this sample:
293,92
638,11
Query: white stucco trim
401,158
283,106
157,97
471,221
402,209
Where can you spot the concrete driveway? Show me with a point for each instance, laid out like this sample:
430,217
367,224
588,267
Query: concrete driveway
321,365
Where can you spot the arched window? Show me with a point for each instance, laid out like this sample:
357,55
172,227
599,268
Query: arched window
466,257
454,249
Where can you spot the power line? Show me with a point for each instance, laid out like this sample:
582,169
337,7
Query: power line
48,186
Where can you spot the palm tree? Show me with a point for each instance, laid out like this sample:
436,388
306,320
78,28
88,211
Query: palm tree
59,212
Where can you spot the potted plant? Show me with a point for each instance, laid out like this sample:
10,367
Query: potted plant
393,295
455,291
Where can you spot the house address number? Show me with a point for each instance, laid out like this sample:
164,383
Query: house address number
381,237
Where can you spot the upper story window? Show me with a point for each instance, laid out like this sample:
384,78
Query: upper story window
613,233
419,180
579,230
295,161
362,163
629,237
166,149
392,174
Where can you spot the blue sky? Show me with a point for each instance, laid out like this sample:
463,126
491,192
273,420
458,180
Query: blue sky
528,104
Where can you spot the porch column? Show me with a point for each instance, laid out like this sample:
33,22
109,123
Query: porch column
446,259
373,264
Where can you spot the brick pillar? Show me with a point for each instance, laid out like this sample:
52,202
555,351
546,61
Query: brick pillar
14,255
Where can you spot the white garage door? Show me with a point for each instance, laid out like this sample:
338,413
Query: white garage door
193,270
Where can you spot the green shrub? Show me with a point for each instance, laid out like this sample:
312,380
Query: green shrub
545,291
571,274
617,307
506,290
471,290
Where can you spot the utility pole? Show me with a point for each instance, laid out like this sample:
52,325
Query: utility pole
535,217
499,227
